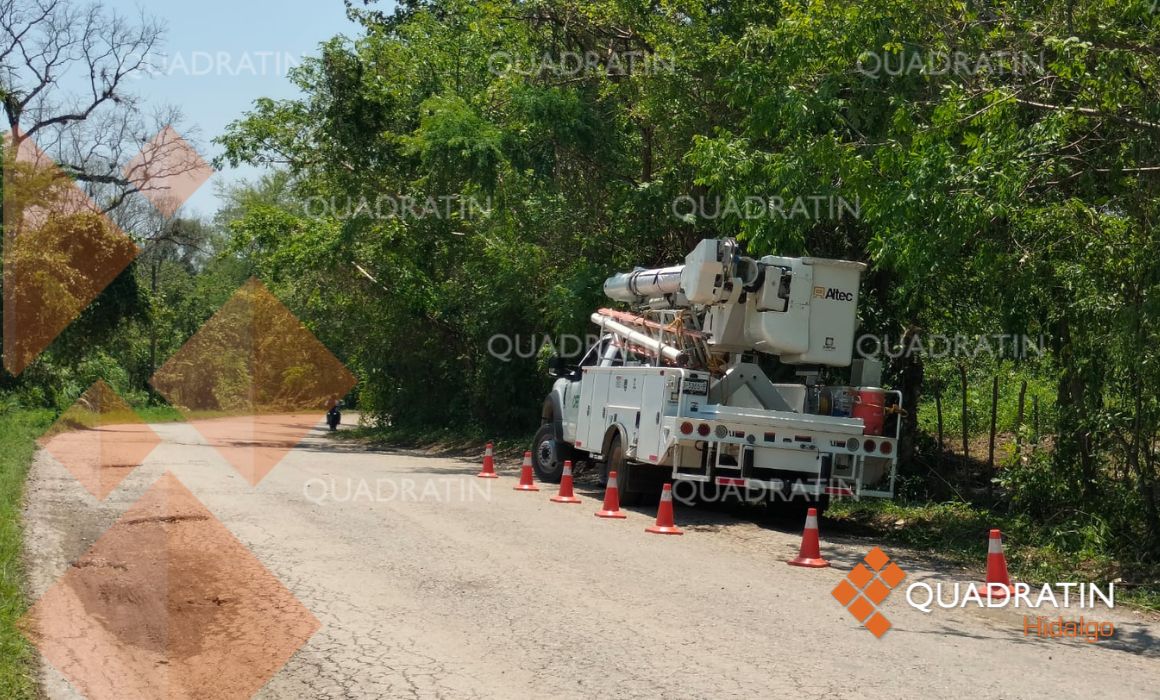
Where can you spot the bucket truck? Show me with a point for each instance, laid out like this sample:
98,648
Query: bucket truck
675,390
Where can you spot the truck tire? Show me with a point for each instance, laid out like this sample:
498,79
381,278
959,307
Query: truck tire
549,454
615,461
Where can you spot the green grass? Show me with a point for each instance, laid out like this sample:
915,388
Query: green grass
159,414
1036,552
18,433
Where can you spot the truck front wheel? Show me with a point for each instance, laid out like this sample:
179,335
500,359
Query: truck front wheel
549,454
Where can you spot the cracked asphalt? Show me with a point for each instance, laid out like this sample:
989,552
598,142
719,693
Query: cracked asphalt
430,583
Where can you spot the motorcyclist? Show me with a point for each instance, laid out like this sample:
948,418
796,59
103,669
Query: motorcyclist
333,412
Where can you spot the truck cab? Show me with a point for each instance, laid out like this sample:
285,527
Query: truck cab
555,440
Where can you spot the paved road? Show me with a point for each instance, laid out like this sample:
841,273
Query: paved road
427,582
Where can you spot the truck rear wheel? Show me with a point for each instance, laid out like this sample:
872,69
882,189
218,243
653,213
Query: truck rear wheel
549,454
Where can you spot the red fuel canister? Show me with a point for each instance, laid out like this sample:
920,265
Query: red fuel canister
870,406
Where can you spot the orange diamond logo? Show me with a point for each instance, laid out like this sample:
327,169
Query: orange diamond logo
253,381
168,171
60,251
99,440
866,587
167,603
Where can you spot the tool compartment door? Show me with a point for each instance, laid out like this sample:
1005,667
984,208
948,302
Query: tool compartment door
590,420
625,386
660,397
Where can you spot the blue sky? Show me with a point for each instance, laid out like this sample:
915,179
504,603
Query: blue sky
219,56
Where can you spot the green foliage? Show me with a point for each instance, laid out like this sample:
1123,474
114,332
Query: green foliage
18,432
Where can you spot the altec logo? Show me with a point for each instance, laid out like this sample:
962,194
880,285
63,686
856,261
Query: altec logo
865,588
832,293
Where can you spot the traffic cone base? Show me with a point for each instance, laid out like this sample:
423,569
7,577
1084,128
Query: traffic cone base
665,524
997,591
611,508
566,495
488,471
527,480
810,554
619,515
809,563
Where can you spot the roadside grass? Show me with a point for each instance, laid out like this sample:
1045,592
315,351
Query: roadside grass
18,433
159,414
957,531
150,414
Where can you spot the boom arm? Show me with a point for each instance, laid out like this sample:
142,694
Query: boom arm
803,310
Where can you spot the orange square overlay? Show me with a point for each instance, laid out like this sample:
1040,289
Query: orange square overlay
861,608
878,625
892,575
860,576
844,592
877,559
876,592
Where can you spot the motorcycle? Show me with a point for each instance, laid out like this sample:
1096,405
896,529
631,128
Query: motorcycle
334,416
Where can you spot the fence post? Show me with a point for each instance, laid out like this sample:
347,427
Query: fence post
1019,420
994,416
966,444
991,447
938,411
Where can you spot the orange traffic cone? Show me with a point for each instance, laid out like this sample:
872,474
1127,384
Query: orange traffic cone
665,525
488,464
566,495
526,481
810,554
611,500
998,582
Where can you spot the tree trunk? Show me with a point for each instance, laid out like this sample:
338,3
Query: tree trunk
912,376
1077,395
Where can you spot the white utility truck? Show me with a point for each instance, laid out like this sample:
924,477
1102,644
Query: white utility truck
673,391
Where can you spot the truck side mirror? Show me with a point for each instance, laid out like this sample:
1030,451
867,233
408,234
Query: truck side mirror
555,366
